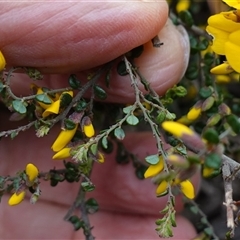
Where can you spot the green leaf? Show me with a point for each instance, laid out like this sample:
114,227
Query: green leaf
19,106
136,52
44,98
100,93
211,135
186,17
161,117
180,91
104,142
202,44
205,92
14,134
194,209
74,82
69,124
213,160
77,222
94,148
65,100
192,72
140,172
208,231
119,133
80,106
1,86
92,205
87,186
173,219
128,109
121,69
232,120
152,159
132,120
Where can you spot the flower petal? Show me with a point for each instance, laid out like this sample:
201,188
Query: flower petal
177,129
162,187
2,61
187,189
154,169
62,154
233,3
31,171
16,198
63,139
232,49
52,109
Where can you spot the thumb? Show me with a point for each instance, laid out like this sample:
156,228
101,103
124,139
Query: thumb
69,37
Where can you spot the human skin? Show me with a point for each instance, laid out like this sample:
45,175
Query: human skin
64,38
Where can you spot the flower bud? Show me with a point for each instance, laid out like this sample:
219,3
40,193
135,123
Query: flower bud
213,120
31,171
195,111
87,127
187,189
223,68
63,139
154,169
162,187
16,198
224,110
208,103
2,61
62,154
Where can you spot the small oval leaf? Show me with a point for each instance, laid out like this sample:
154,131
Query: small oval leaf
119,133
19,106
132,120
43,98
100,93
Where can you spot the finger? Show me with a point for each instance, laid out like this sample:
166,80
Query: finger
66,37
117,186
45,221
162,67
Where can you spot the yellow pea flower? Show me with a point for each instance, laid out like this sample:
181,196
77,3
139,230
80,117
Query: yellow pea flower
101,158
194,113
183,5
87,127
223,68
184,120
187,189
54,107
62,154
31,171
154,169
63,139
2,61
162,187
207,172
233,3
177,129
16,198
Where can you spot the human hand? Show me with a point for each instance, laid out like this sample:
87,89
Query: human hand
69,38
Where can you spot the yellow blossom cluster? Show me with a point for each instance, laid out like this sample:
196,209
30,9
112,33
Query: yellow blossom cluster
225,30
32,175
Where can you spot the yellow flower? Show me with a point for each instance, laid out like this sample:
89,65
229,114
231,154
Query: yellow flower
162,187
184,120
226,34
63,139
233,3
187,189
223,79
16,198
154,169
2,61
177,129
54,107
194,113
31,171
62,154
223,68
101,158
183,5
87,127
207,172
